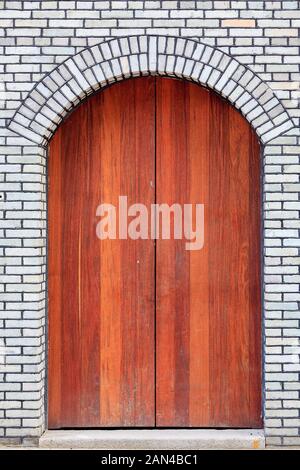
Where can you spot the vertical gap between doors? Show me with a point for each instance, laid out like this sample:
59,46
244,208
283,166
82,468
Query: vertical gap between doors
155,244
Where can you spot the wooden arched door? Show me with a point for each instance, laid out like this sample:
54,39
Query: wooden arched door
146,333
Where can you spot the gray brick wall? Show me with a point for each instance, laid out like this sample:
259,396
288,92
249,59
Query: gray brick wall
35,38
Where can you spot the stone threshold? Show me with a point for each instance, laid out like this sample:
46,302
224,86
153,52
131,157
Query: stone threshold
153,439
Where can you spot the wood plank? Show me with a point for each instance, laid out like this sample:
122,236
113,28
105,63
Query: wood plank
255,306
74,150
181,292
198,144
229,263
172,261
128,166
54,283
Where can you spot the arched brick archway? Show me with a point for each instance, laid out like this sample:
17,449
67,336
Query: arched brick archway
98,66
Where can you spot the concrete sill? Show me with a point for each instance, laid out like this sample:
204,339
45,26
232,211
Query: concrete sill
154,439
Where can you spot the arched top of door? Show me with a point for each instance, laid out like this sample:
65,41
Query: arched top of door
96,67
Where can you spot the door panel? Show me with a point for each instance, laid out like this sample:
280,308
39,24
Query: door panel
101,333
145,333
208,301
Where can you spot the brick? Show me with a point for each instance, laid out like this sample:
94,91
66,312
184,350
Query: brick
238,23
10,422
281,32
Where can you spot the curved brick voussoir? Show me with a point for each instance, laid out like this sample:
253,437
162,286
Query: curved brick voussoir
77,77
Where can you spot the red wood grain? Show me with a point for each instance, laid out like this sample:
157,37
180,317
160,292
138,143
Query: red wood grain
101,333
142,333
208,342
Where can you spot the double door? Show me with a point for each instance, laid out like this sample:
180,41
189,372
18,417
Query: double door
145,332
